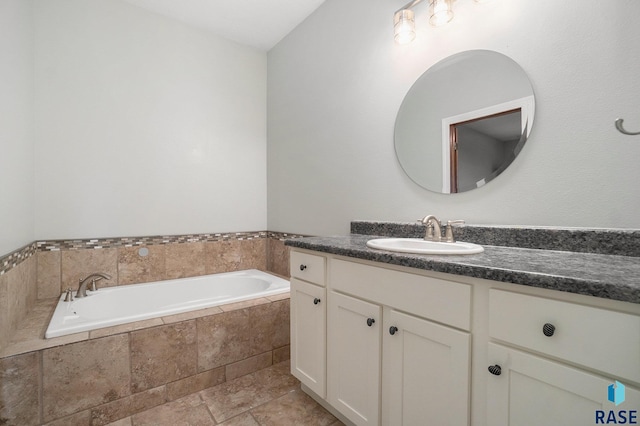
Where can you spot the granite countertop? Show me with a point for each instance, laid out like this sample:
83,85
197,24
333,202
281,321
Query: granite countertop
601,275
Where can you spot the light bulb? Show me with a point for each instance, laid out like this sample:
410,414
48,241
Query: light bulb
441,12
404,26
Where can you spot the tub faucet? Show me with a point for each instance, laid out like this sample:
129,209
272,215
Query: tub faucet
433,232
82,287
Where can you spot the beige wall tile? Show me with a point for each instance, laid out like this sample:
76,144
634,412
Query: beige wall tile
196,383
49,274
133,268
19,402
163,354
280,324
254,254
222,256
85,374
233,336
244,304
124,407
123,328
249,365
77,264
191,315
278,257
184,260
281,354
21,292
5,322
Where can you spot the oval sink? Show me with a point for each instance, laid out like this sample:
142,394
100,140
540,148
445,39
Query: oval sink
420,246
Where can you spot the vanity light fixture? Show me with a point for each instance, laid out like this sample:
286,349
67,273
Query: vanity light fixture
404,24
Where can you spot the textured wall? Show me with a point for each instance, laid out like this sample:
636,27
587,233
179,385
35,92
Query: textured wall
143,125
16,124
336,82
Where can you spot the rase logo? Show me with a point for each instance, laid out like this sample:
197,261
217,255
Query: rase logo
615,394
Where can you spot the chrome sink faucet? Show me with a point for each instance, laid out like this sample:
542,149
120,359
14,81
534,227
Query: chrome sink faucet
433,232
93,278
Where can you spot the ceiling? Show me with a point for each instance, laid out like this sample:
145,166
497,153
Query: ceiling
257,23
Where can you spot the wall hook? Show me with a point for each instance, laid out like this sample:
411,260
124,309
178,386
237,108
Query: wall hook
622,130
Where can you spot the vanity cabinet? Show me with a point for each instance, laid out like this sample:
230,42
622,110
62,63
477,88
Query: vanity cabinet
425,372
353,358
308,321
412,347
530,390
388,363
556,386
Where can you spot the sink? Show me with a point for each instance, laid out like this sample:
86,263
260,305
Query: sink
421,246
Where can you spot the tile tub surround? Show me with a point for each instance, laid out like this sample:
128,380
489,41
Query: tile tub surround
109,374
44,269
606,276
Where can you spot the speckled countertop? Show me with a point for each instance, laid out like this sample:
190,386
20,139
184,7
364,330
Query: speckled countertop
601,275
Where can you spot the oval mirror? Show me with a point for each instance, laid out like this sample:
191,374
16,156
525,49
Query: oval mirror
464,121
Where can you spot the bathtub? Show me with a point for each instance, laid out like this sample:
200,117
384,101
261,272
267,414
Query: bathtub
111,306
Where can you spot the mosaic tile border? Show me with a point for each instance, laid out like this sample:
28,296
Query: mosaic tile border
99,243
18,256
15,258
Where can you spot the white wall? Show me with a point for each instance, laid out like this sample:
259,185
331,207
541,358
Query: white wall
16,124
336,82
143,125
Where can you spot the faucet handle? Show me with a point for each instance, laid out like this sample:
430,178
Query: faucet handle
448,234
68,295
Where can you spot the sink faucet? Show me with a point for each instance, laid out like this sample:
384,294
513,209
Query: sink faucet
82,287
433,232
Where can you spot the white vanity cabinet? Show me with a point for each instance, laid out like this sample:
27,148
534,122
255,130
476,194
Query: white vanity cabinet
353,358
308,321
540,359
412,347
388,361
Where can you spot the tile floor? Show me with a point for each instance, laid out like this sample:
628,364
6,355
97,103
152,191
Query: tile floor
267,397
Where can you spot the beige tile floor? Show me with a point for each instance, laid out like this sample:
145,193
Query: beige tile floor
269,397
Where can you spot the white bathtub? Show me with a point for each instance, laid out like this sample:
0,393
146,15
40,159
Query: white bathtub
110,306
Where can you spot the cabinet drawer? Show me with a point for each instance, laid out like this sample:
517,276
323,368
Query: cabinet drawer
597,338
307,267
443,301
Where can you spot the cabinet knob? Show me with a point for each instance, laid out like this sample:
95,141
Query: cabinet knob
548,329
316,301
370,321
303,267
393,329
496,370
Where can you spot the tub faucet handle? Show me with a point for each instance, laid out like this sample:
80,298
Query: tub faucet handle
68,297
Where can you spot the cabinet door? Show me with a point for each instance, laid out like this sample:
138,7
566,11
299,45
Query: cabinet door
425,372
534,391
308,335
353,363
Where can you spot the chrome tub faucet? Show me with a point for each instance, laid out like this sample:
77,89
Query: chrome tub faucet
93,278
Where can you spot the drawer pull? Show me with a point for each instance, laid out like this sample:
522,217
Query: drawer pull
303,267
370,321
316,301
548,329
496,370
393,330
